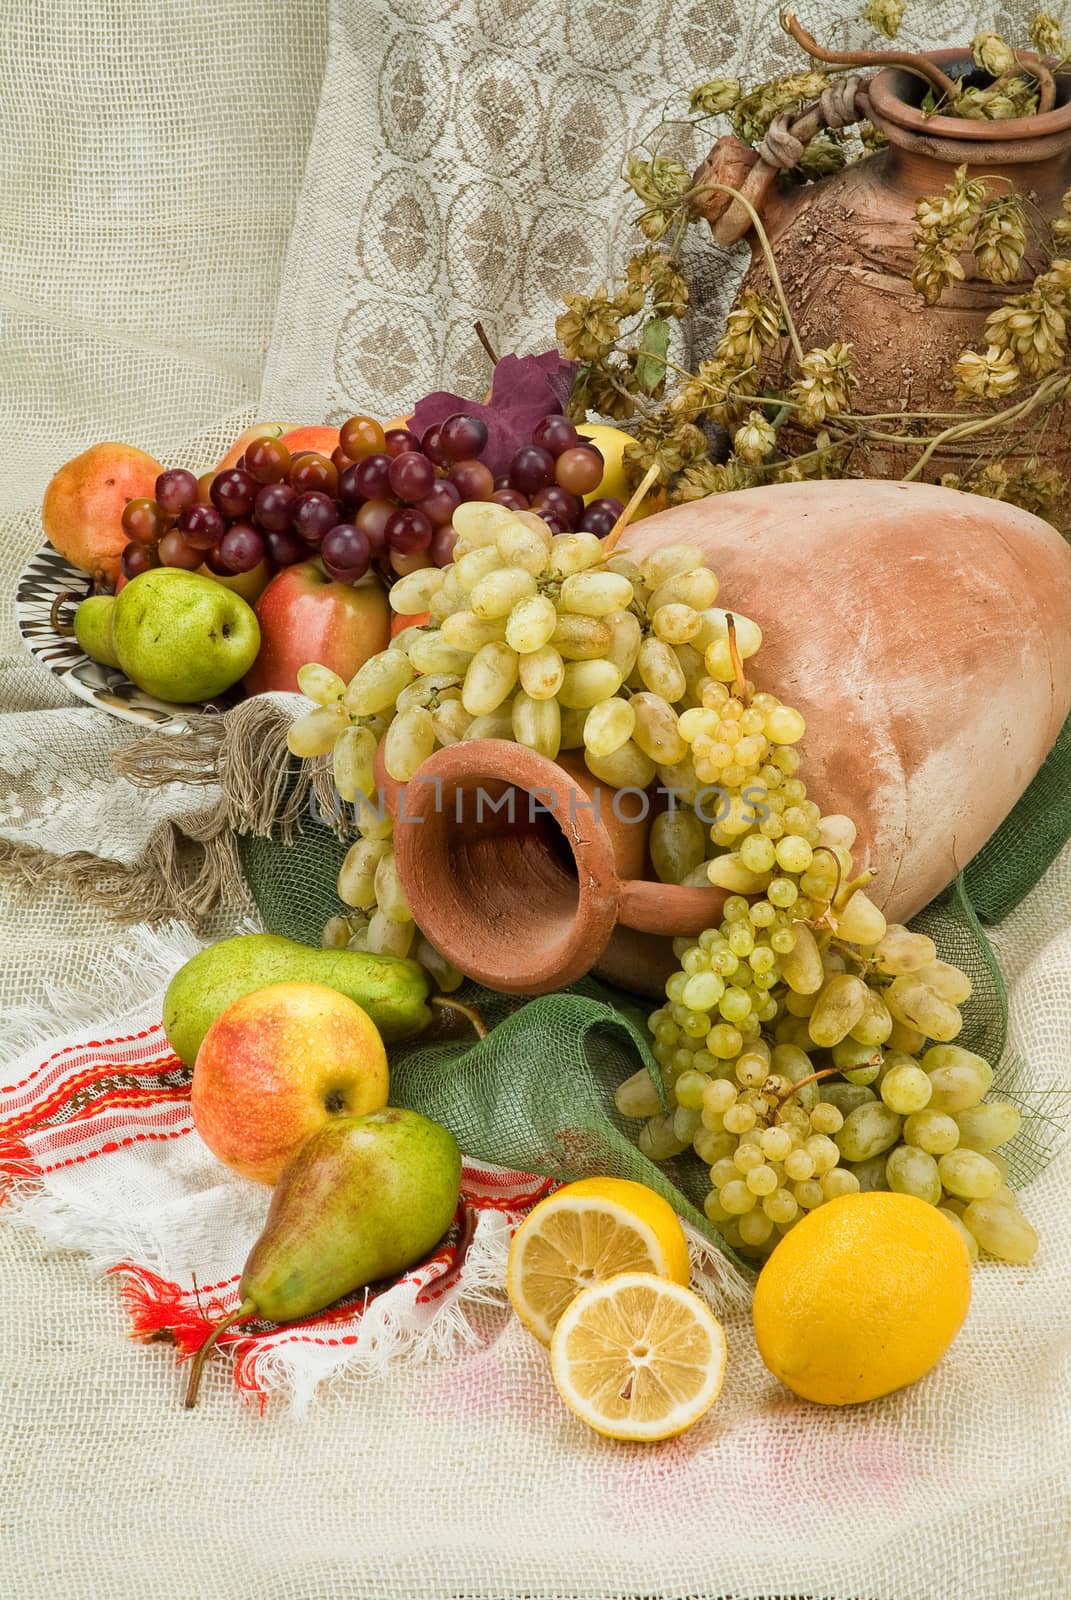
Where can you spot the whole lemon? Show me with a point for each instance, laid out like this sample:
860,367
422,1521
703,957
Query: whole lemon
863,1296
614,484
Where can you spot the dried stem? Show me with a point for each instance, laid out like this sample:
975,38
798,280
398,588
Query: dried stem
962,430
442,1003
246,1310
481,334
768,255
64,629
739,676
815,1077
869,58
646,483
1036,68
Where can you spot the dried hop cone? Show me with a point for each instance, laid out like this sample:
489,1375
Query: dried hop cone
1056,282
1047,36
713,98
652,273
1061,228
885,15
993,54
754,440
1000,239
998,102
986,377
1033,327
824,386
752,324
589,326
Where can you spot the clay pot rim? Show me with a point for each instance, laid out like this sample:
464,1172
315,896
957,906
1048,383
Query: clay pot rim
890,106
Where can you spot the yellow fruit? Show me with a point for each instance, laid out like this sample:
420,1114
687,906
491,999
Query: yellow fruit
250,585
583,1234
863,1296
638,1357
614,483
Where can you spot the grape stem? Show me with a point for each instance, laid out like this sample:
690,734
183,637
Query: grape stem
815,1077
648,481
481,334
827,919
739,679
441,1003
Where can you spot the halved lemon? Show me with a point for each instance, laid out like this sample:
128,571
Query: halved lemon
583,1234
638,1357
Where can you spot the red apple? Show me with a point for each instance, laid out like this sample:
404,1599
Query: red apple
276,1066
305,616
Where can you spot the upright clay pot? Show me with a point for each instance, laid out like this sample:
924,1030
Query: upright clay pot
844,249
526,873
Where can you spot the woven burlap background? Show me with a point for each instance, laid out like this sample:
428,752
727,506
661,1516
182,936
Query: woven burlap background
151,160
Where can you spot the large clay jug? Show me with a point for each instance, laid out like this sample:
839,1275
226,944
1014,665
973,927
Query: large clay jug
924,634
844,251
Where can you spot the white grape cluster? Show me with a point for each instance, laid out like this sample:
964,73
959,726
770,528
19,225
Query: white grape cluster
841,1095
792,1044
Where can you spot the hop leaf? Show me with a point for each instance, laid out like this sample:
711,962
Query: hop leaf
715,97
650,367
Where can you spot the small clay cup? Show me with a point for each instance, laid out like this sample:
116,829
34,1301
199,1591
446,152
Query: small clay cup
527,873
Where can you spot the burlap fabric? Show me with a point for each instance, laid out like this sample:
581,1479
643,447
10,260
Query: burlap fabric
155,154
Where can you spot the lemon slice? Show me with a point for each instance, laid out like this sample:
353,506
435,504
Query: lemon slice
638,1357
583,1234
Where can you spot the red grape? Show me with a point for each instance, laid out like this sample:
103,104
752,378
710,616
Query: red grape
314,514
554,433
340,459
233,492
398,440
599,516
440,505
138,558
411,476
463,437
579,470
361,436
175,552
142,521
442,544
370,477
372,519
531,469
559,502
432,445
555,524
175,490
274,506
313,471
346,552
408,530
502,481
511,498
348,490
241,548
284,549
202,526
267,460
214,564
473,479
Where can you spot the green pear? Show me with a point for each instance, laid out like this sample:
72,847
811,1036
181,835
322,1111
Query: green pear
182,637
392,989
93,628
361,1200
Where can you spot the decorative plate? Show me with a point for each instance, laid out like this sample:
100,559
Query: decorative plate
46,575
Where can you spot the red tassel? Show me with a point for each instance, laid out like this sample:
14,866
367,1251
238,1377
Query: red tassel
16,1163
162,1311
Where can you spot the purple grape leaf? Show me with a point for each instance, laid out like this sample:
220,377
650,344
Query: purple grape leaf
524,389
